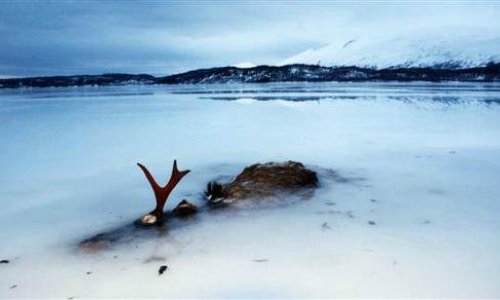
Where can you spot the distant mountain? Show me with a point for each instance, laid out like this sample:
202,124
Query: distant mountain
315,73
261,74
77,80
421,50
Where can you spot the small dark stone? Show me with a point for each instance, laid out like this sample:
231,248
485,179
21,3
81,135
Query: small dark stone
372,223
260,260
4,261
185,208
373,200
13,286
88,273
162,269
325,226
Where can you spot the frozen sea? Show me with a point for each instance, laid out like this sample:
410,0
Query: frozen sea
414,210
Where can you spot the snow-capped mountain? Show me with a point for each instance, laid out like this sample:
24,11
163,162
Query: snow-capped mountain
415,50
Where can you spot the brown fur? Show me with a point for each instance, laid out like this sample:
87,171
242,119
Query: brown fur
264,180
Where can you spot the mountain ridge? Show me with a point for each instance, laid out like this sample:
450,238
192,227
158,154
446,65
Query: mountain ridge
264,73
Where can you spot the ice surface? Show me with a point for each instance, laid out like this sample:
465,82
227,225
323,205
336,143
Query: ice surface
419,161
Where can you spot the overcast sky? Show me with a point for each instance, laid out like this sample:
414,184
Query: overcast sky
165,37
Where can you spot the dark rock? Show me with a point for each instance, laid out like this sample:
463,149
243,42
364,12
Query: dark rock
264,180
162,269
372,223
4,261
185,208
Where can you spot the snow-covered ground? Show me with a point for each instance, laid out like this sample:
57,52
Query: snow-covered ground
422,163
440,50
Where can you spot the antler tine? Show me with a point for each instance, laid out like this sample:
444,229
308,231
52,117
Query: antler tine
156,187
174,168
176,171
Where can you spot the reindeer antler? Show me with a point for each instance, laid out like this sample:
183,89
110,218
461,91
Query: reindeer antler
161,193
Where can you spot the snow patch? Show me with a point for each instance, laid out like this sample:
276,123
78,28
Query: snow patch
413,50
245,65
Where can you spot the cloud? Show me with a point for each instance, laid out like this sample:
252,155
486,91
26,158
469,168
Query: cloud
163,37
